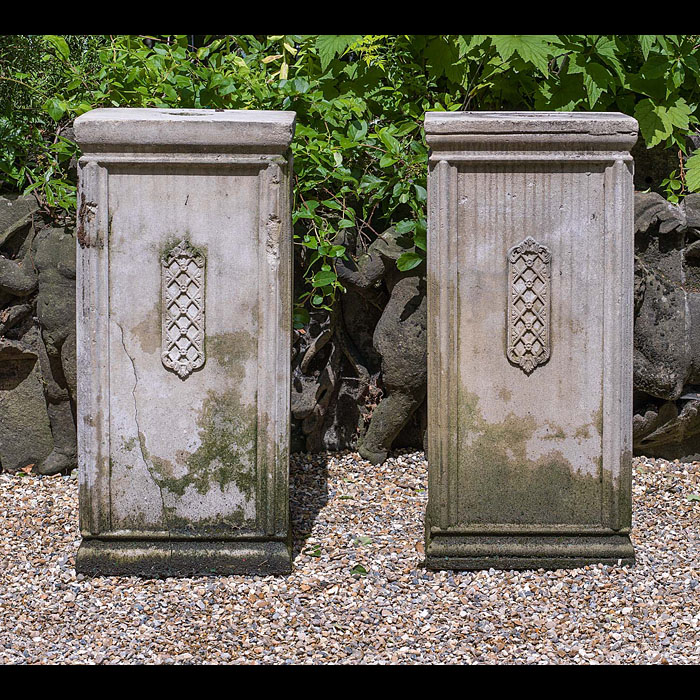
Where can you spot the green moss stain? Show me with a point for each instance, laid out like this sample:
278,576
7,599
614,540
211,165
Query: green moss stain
624,490
557,432
598,420
231,350
128,445
174,241
582,433
505,394
498,483
227,455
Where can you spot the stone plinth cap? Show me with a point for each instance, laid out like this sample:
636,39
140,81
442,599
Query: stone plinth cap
568,130
184,129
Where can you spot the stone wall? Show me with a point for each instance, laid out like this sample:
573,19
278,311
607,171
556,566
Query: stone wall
359,374
667,327
37,340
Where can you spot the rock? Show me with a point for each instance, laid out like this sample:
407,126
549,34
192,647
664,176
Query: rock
16,212
25,436
399,339
691,206
667,327
662,359
651,208
55,262
669,427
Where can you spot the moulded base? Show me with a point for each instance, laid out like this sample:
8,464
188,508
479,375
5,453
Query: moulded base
159,559
474,552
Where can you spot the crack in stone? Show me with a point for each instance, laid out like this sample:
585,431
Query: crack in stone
140,438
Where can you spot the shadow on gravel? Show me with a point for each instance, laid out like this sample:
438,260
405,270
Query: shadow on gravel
308,494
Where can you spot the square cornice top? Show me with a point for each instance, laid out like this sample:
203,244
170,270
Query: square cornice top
189,129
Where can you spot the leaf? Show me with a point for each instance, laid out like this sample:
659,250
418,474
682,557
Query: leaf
465,43
405,226
56,108
565,96
440,55
301,317
59,43
657,121
82,108
331,45
324,278
646,41
596,79
692,172
409,260
358,570
389,141
679,114
653,123
608,51
534,48
419,238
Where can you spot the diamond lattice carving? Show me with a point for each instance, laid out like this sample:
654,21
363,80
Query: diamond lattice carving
529,304
182,277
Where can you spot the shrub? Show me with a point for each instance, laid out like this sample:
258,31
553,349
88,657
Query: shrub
359,152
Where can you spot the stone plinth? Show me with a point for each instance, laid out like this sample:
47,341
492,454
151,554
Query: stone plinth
530,314
184,339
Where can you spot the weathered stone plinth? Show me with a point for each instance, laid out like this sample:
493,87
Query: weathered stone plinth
184,339
530,314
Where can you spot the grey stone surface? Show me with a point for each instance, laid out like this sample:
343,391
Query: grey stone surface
16,211
399,338
667,328
184,326
54,260
25,434
47,267
692,210
530,314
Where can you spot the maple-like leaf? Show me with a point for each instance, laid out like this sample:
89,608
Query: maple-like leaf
331,45
534,48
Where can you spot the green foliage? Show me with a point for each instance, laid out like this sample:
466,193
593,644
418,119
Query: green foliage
35,72
656,78
359,152
692,172
671,186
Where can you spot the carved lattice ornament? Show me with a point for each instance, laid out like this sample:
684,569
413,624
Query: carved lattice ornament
182,277
529,303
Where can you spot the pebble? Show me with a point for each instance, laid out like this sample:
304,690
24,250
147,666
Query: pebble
358,593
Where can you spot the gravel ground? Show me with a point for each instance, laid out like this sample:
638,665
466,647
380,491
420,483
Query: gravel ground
349,517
